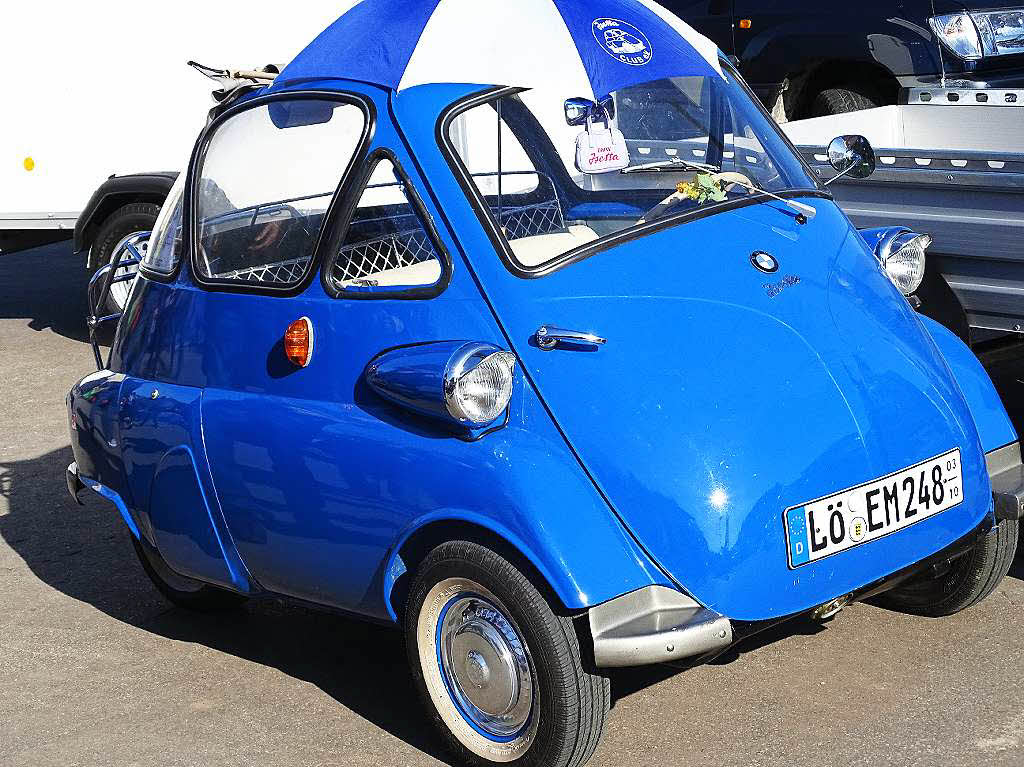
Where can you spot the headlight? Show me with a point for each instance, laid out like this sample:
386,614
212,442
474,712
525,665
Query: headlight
479,394
465,384
903,260
1002,32
981,33
959,34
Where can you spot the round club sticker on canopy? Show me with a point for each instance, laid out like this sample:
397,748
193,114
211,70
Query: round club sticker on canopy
595,46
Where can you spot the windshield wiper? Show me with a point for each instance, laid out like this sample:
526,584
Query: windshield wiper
673,163
806,211
677,163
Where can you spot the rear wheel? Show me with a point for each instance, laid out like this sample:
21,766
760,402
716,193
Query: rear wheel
834,101
180,589
961,583
129,223
499,671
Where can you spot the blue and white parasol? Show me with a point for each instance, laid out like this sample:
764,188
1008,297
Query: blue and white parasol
591,47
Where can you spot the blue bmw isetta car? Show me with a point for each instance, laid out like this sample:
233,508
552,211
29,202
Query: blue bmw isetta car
393,354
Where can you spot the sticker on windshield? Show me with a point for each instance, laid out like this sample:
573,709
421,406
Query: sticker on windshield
623,41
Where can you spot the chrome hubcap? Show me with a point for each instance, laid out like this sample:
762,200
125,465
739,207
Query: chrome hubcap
486,666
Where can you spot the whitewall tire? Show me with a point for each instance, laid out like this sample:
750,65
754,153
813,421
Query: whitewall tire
501,673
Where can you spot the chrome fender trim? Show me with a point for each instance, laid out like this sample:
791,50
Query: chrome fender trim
1006,473
653,625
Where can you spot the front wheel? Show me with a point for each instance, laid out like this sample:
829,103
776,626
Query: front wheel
961,583
500,673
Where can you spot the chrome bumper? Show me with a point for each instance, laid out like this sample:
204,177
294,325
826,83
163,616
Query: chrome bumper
654,625
1006,473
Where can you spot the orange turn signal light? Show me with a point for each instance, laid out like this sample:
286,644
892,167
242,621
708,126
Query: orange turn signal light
298,342
745,24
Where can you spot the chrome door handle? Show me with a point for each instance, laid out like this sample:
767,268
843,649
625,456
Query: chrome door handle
549,336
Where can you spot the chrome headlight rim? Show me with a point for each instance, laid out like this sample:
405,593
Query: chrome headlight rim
463,363
899,241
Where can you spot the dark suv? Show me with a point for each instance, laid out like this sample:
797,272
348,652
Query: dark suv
806,59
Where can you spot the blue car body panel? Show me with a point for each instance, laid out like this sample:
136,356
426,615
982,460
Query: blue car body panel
168,482
93,410
184,526
667,456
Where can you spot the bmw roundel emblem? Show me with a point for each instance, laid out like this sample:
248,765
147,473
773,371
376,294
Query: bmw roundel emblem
623,41
764,262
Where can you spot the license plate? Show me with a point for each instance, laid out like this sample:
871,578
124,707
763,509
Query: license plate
867,512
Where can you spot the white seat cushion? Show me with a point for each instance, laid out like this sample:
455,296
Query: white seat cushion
536,250
424,273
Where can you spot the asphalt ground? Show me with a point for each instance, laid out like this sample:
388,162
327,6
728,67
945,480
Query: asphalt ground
97,669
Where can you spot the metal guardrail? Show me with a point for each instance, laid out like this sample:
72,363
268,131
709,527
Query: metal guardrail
109,272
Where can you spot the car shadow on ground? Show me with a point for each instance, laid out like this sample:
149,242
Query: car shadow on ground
28,279
85,552
628,681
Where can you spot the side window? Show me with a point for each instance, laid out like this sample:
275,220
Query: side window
386,246
266,180
164,250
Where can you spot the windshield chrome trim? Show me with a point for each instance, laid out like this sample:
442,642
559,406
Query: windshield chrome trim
487,220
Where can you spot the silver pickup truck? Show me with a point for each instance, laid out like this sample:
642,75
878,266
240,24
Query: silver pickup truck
952,169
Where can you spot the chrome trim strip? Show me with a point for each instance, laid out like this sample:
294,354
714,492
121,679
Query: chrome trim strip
654,625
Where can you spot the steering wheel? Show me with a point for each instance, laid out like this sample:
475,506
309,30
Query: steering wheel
729,180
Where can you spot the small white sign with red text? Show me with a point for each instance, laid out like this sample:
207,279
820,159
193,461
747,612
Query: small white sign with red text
601,150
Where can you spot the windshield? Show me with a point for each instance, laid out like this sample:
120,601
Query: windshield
652,152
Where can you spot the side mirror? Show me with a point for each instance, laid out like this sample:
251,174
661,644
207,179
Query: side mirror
578,109
851,156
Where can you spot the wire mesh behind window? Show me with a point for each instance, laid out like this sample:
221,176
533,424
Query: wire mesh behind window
267,180
386,245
